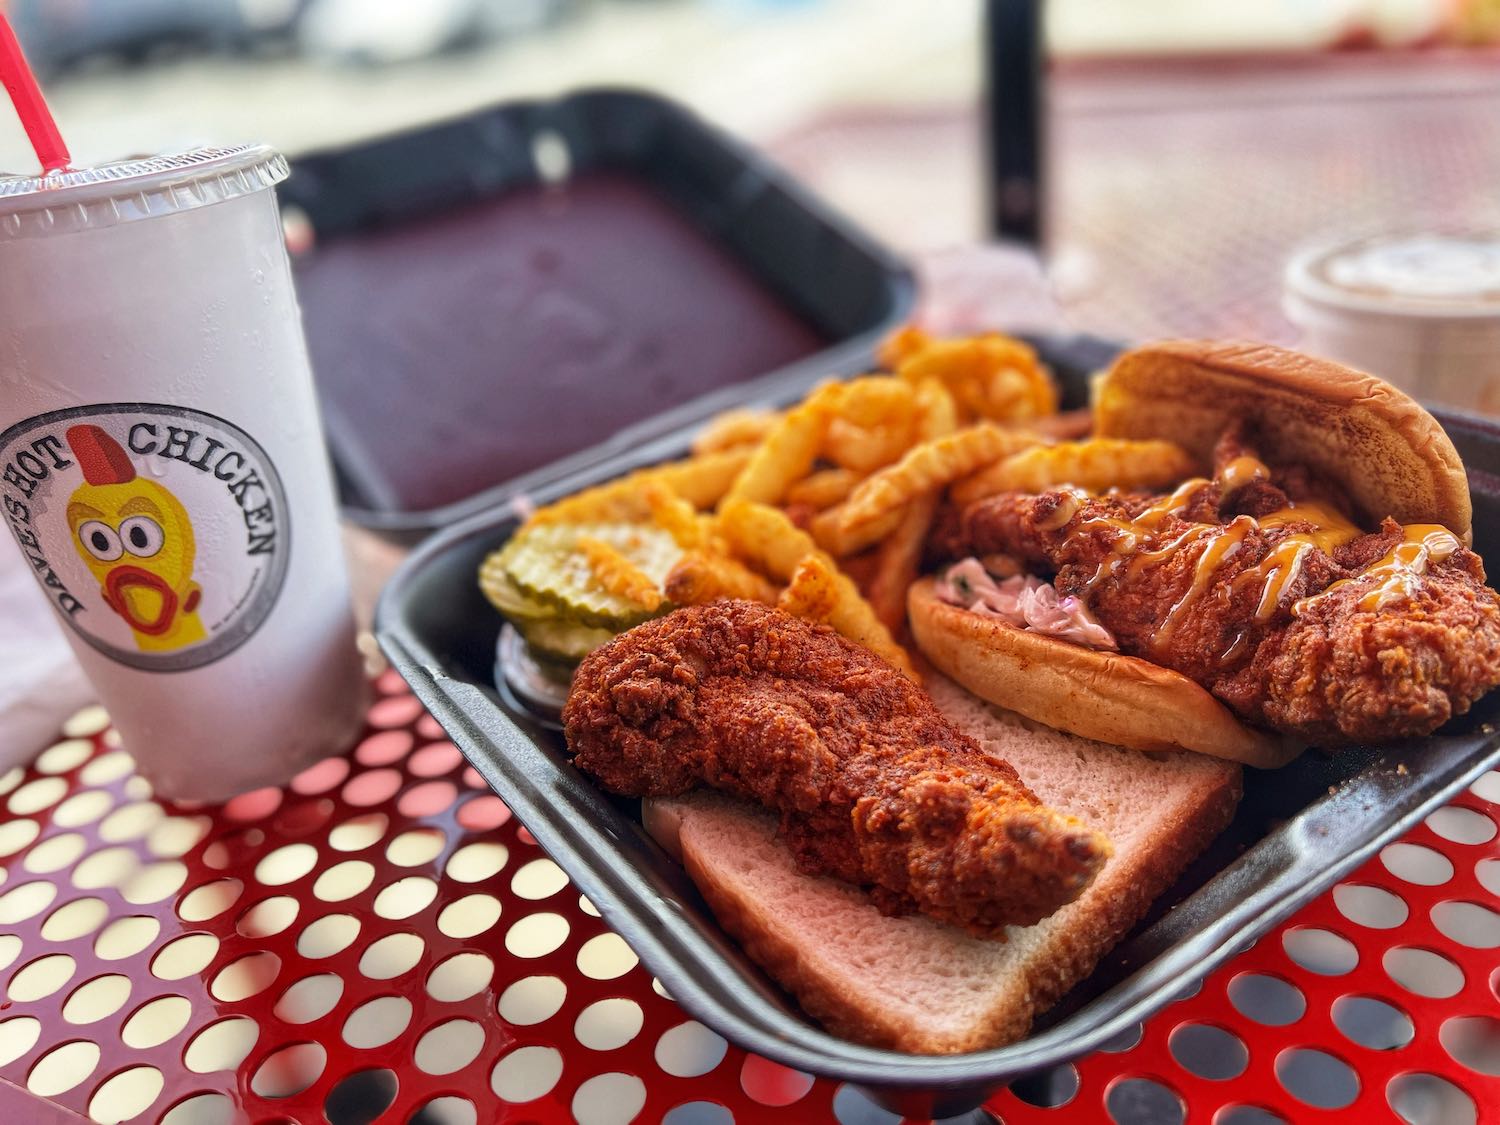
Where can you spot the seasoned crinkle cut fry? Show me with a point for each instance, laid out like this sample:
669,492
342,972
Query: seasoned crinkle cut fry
701,481
618,575
862,449
992,377
700,577
675,516
765,538
930,466
811,593
1095,465
876,400
789,451
735,428
828,531
900,346
824,488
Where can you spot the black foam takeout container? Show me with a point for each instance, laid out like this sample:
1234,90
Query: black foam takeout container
1298,829
491,294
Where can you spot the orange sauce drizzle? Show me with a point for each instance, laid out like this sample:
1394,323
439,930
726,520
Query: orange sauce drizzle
1398,575
1220,549
1236,474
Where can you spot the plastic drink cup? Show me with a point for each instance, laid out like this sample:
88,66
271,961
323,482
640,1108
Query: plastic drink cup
162,464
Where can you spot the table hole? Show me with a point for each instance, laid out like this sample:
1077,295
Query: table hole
428,799
460,976
10,949
1415,863
17,1036
394,711
201,1109
54,854
41,978
245,977
1461,825
1467,923
607,1025
184,956
1208,1051
609,1099
1123,1041
377,1022
125,1095
434,760
130,822
1143,1101
257,804
1365,905
416,847
531,1000
344,880
449,1047
34,796
526,1074
82,808
65,756
852,1106
333,933
154,882
211,899
11,778
320,776
391,956
125,937
469,916
772,1084
539,879
447,1110
1487,787
1320,951
286,864
359,833
605,957
97,999
1372,1022
289,1070
267,917
17,834
156,1021
1426,1099
1246,1115
689,1050
1474,1042
62,1068
477,862
361,1097
588,907
106,768
310,998
1487,871
384,748
483,814
25,901
373,787
537,935
699,1113
405,897
1423,971
1316,1077
177,835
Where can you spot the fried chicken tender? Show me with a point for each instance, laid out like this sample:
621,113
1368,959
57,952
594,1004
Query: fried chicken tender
873,785
1329,670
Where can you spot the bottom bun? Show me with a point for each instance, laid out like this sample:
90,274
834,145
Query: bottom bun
1101,695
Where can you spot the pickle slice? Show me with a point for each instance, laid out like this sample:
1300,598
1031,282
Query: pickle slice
546,566
564,641
505,595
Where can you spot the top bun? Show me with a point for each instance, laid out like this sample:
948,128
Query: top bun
1389,455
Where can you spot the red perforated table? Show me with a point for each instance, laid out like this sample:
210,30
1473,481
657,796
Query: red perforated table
380,941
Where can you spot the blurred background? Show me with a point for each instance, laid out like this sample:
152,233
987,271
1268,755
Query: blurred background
1190,147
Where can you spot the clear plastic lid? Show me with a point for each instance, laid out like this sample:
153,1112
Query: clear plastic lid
127,190
1413,274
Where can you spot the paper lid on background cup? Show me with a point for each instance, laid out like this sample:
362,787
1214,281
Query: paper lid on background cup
1418,275
129,190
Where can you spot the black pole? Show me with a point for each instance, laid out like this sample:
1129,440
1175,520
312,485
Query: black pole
1014,120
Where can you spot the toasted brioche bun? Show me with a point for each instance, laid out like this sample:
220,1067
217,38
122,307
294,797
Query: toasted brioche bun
1380,446
913,984
1101,695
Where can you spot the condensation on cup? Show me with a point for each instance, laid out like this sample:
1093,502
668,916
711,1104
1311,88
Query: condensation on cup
163,469
1421,309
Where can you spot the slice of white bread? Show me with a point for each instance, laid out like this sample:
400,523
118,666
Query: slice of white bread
916,985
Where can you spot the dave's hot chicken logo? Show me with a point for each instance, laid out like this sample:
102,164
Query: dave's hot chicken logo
158,532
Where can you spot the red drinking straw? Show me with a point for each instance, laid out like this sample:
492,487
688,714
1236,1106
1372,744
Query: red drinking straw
31,107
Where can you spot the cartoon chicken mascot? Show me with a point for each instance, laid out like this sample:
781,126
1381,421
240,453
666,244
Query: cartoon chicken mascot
136,538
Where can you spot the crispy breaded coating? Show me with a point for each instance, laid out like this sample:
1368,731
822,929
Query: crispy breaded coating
873,785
